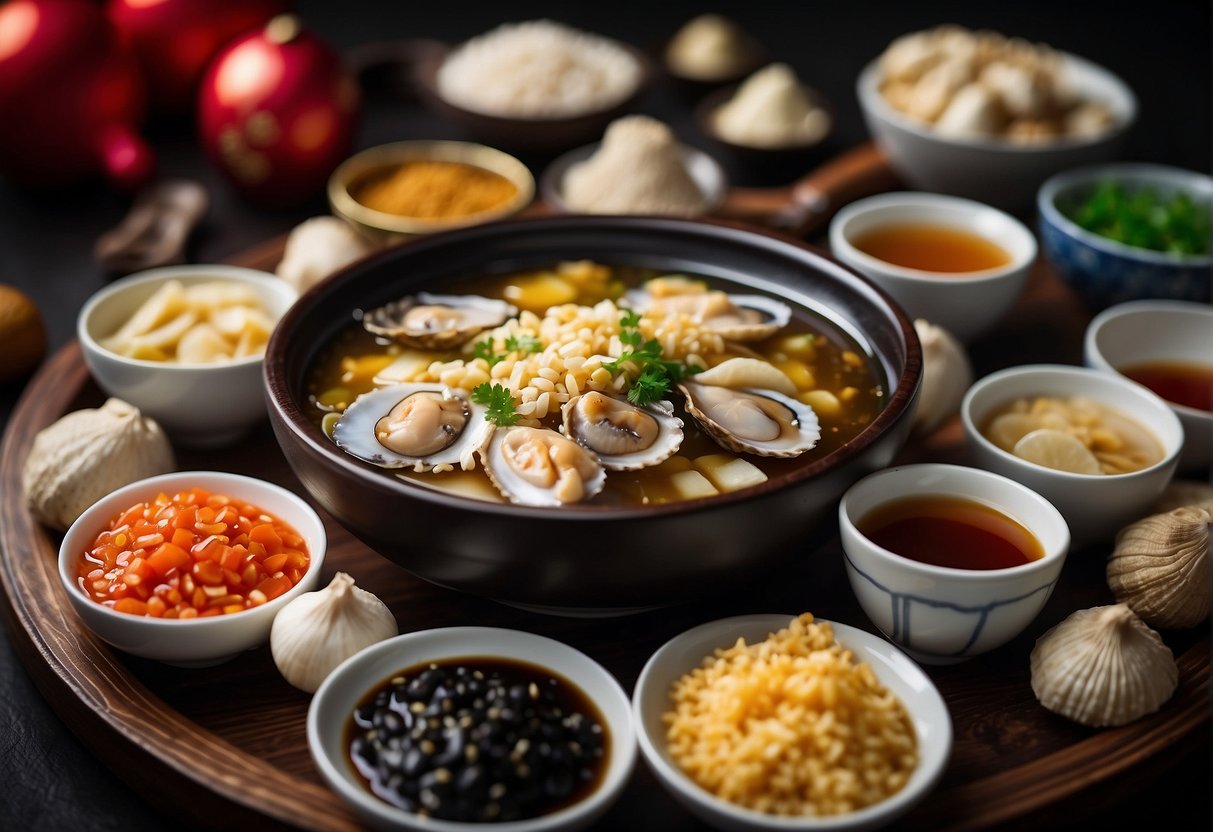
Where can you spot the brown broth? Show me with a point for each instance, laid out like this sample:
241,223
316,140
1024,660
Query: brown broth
837,365
950,531
932,248
1179,382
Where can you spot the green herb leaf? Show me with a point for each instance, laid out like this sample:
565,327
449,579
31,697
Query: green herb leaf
498,402
523,344
1144,219
654,374
484,349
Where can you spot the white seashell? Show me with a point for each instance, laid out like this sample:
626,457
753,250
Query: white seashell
946,375
86,455
1160,567
317,247
1103,666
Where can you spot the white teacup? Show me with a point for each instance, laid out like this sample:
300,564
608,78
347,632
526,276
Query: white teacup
964,303
944,615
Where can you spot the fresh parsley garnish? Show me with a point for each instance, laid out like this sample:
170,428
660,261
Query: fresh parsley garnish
484,349
523,344
498,402
654,373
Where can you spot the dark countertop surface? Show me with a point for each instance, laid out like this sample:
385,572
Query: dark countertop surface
1161,49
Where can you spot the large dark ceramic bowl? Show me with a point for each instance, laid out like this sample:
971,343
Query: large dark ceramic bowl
591,557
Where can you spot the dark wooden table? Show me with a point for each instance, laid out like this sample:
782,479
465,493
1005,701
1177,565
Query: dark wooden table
45,249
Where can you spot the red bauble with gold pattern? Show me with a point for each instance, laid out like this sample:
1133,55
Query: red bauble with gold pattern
277,112
71,97
174,40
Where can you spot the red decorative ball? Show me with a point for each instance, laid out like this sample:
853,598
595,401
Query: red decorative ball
174,40
70,97
277,112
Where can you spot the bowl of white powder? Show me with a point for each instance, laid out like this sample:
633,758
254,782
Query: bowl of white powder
536,86
639,167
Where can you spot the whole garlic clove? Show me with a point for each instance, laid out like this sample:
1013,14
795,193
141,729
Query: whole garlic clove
1160,567
1103,666
946,375
319,630
87,454
317,247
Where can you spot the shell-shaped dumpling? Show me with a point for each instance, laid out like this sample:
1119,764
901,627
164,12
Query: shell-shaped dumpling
86,455
1103,666
1160,567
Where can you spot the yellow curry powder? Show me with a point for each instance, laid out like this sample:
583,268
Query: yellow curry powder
436,190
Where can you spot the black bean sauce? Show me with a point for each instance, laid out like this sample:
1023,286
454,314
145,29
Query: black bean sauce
478,739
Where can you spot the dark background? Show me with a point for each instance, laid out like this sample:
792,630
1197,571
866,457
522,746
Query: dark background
1161,49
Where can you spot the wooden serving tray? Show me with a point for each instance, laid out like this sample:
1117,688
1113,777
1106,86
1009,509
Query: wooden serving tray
226,746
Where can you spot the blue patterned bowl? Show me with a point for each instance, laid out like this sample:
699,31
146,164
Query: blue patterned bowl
1105,272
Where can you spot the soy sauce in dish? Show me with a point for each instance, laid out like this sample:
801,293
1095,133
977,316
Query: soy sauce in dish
1180,382
931,248
479,739
950,531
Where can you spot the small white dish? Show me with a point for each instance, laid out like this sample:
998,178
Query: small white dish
196,642
941,615
1096,506
201,405
1144,331
892,667
966,304
706,172
345,687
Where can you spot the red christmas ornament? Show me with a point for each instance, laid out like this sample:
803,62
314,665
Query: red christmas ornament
174,40
277,111
70,97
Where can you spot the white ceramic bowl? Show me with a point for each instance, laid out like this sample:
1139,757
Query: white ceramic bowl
1159,330
964,303
994,170
938,614
706,172
203,405
344,688
197,642
1095,506
893,668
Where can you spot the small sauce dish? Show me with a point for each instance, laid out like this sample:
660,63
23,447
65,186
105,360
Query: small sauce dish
893,669
1134,335
943,614
198,404
380,226
1095,506
346,688
966,304
196,642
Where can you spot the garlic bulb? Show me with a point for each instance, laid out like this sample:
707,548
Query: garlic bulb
86,455
1103,666
319,630
946,375
1160,567
317,247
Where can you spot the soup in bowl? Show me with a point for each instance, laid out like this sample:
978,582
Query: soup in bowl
590,412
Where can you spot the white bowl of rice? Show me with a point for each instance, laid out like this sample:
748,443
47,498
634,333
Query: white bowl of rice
536,85
708,730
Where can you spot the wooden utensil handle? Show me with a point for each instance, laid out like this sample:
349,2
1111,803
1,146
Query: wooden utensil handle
807,205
